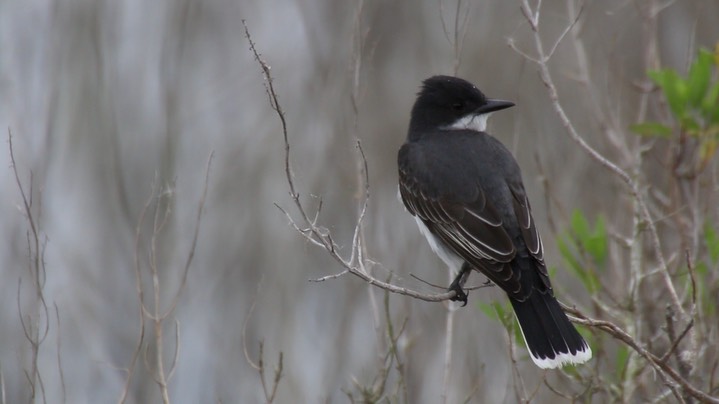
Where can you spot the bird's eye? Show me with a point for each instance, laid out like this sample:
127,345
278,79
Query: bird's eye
458,106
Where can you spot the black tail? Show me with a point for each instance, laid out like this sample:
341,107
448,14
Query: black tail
551,339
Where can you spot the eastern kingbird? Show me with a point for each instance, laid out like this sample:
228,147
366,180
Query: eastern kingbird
465,191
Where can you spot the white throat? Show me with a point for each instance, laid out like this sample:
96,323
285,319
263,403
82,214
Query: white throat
471,122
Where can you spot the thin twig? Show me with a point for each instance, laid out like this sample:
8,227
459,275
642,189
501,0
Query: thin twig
139,288
59,356
660,366
542,62
36,267
448,341
309,228
195,236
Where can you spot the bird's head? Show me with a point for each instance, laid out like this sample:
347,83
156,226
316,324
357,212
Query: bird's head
447,102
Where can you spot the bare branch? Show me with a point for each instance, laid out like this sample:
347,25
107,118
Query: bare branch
328,277
161,217
254,365
309,228
139,288
59,356
35,329
657,363
564,33
176,355
195,234
459,31
541,61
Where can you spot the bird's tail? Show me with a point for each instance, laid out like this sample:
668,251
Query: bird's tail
551,339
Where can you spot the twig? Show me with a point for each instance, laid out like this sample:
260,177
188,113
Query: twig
309,228
244,332
141,297
541,60
448,340
459,32
270,392
465,288
259,366
657,363
157,315
557,392
195,235
328,277
672,337
36,267
393,349
59,356
520,390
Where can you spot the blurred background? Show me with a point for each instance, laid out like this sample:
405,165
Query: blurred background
116,107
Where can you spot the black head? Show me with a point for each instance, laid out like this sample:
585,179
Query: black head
451,102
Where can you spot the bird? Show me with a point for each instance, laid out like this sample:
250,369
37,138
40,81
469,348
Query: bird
465,191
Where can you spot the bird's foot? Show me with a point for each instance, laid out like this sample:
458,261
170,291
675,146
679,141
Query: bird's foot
459,294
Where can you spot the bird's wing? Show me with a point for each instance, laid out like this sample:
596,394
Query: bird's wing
467,222
523,211
530,235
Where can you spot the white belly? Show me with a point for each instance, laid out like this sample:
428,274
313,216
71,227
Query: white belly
452,260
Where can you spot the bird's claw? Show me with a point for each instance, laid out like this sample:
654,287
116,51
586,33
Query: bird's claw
459,294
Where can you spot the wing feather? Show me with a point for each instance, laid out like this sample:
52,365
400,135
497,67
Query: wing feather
466,221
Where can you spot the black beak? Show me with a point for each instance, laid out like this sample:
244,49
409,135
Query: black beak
493,105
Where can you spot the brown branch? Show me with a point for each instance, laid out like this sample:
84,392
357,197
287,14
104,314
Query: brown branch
309,228
657,363
195,235
542,60
459,32
59,357
157,315
36,267
259,366
141,296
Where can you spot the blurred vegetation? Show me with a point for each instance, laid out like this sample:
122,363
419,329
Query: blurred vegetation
107,99
632,300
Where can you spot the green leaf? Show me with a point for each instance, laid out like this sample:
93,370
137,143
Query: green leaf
580,225
712,241
593,241
566,250
596,244
701,269
659,77
621,361
518,336
488,311
674,88
710,104
497,311
588,278
705,297
582,247
707,148
690,125
698,77
651,129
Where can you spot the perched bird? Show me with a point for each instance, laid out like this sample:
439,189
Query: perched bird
465,191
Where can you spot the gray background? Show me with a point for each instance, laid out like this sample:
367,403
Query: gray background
106,98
